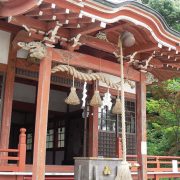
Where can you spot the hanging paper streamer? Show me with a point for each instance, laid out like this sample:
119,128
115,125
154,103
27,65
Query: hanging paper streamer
73,98
107,100
84,95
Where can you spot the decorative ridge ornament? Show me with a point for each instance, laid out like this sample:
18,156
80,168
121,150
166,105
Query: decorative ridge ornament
36,49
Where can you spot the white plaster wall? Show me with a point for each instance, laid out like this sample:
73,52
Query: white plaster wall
4,46
27,93
22,53
56,101
24,93
116,79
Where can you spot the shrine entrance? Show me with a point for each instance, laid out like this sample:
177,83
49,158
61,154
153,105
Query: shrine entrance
65,123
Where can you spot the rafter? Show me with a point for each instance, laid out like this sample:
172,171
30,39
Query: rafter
142,48
98,44
114,27
170,61
41,12
89,29
36,25
28,21
65,4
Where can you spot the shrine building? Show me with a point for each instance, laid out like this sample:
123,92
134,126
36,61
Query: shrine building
52,49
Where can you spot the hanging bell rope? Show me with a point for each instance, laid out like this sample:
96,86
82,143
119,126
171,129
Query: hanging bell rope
84,76
124,172
73,98
96,99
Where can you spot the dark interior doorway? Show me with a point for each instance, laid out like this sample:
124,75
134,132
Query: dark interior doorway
65,131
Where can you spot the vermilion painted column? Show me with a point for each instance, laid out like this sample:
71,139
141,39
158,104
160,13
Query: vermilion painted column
8,100
42,117
93,131
141,127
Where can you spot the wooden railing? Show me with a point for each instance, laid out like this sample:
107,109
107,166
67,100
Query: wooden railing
20,157
157,163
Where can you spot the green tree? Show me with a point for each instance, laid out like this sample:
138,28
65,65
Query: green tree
163,114
169,9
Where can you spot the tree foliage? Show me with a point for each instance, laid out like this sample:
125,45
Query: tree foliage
169,9
163,114
163,104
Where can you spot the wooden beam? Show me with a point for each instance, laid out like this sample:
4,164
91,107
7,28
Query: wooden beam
91,62
5,26
141,127
39,157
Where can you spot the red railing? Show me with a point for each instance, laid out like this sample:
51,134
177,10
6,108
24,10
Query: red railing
156,163
20,157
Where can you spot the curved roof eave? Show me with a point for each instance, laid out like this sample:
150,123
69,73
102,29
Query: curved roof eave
142,6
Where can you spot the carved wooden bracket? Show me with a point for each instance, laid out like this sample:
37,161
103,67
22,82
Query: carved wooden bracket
36,49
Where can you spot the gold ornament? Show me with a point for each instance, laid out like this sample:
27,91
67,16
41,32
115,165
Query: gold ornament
107,171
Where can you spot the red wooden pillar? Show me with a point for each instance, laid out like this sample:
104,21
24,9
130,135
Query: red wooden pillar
118,147
93,131
8,100
42,117
141,127
22,149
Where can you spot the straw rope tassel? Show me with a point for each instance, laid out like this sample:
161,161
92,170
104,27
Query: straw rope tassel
96,99
117,109
123,172
73,98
